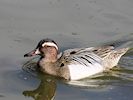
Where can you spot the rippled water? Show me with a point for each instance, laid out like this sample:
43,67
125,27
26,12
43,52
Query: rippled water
71,23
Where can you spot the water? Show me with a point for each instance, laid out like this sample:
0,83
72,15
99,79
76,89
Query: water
71,24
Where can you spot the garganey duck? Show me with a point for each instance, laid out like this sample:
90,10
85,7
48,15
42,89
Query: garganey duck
78,63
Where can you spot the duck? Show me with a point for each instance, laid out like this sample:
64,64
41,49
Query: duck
77,63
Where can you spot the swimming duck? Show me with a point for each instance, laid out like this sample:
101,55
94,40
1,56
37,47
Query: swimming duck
78,63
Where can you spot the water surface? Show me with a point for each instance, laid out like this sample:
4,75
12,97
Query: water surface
71,23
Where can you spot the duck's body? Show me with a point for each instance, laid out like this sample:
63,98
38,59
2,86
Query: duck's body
75,64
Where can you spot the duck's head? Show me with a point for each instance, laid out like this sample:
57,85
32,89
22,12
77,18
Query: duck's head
46,48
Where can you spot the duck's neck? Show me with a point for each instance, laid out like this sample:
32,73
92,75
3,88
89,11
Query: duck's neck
50,58
53,68
49,66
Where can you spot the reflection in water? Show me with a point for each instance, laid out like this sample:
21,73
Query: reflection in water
47,87
45,90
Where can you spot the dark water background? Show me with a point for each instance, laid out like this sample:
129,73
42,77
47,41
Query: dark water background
71,23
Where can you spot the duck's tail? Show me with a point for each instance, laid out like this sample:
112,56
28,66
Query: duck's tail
114,57
120,52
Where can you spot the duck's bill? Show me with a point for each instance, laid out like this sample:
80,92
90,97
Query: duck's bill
32,53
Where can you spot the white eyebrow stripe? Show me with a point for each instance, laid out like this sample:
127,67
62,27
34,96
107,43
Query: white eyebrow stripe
50,44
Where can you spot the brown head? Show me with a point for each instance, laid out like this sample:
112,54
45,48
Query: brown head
47,49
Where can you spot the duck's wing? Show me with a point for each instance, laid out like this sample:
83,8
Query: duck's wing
84,62
83,56
99,51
